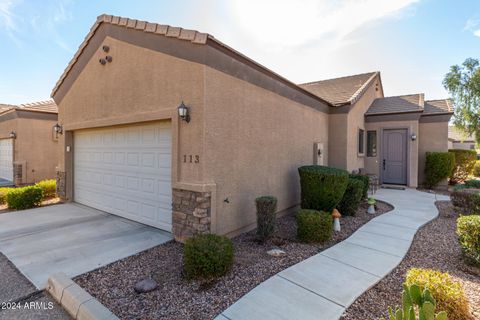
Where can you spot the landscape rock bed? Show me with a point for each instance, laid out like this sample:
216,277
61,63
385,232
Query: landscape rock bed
177,298
435,247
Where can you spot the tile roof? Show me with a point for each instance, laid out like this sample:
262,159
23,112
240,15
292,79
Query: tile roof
438,106
398,104
48,106
456,134
5,107
341,91
192,36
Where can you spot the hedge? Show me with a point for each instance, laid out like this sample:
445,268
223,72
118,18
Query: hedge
49,188
464,163
476,169
207,256
322,188
438,166
314,226
266,216
3,195
352,197
468,231
447,292
365,181
24,198
472,184
466,201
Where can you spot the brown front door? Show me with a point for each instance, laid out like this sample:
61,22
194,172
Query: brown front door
394,152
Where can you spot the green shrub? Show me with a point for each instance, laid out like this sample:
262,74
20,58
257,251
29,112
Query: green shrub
476,169
415,301
352,197
24,198
468,231
448,293
464,162
472,184
266,216
49,188
466,201
322,188
438,166
365,181
3,195
207,256
314,226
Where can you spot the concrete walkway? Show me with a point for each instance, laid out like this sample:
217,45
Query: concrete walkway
70,238
324,285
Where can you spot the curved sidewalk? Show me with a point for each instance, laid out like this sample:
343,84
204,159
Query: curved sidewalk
324,285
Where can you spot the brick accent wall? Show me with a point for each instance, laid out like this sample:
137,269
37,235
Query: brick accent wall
61,186
191,213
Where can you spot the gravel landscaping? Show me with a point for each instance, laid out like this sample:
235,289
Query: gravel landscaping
177,298
435,246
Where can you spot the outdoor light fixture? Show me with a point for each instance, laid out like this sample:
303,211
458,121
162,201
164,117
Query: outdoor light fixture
13,135
183,112
58,128
414,137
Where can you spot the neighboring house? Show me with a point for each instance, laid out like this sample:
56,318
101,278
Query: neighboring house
28,144
457,139
130,149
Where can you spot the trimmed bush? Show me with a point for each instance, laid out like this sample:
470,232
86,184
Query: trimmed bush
475,184
314,226
476,169
322,188
24,198
352,197
468,231
365,181
438,166
447,292
207,256
3,195
466,201
464,162
266,216
49,188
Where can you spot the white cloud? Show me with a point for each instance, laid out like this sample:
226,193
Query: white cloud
294,23
472,26
477,33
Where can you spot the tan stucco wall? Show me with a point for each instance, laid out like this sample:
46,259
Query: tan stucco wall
34,147
255,142
372,164
139,85
432,137
356,121
338,140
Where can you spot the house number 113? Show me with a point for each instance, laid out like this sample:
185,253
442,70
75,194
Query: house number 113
191,158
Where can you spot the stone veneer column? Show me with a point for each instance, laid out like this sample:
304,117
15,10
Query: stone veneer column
61,186
191,213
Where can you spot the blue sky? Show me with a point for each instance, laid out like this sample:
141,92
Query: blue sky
412,42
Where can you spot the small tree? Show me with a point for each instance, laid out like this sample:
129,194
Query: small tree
463,85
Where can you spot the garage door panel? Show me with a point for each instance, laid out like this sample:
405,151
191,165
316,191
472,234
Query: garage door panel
126,171
6,159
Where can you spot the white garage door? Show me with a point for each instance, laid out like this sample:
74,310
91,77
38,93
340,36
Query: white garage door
126,171
6,159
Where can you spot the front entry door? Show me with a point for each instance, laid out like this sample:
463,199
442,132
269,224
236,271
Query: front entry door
394,152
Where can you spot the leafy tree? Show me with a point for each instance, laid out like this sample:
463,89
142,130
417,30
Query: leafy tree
463,84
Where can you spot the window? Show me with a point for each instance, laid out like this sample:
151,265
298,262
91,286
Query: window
472,147
361,138
371,143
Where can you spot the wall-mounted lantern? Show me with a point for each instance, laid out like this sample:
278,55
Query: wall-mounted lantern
58,129
413,137
183,112
13,135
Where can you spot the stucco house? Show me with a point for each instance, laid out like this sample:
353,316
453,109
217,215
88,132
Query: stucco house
28,142
172,128
457,139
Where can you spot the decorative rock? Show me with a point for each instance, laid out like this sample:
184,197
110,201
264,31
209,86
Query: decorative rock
146,285
276,252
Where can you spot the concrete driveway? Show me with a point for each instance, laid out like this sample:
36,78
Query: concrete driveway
70,238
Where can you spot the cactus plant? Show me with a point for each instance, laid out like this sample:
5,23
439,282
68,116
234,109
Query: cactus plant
424,302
